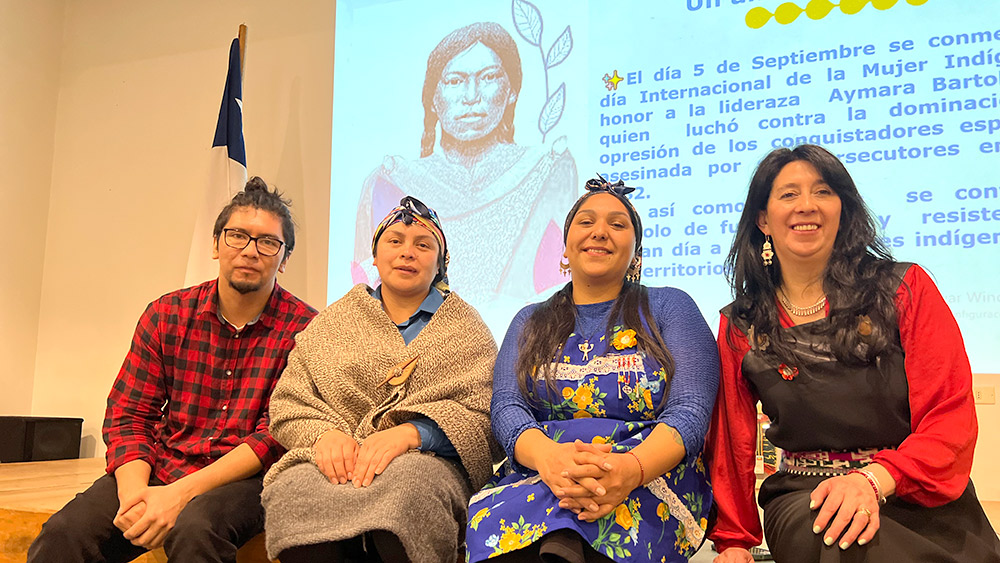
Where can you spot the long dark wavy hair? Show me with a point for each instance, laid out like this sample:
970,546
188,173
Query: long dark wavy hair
550,324
491,35
858,279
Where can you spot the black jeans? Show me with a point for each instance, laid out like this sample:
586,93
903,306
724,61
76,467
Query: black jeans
210,528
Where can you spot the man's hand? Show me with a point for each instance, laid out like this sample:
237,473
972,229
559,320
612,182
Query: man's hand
146,514
132,479
125,520
382,447
163,504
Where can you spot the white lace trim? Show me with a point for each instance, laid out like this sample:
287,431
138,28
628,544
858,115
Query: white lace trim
662,491
601,365
494,490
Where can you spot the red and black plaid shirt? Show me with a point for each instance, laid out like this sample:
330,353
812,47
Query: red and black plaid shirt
192,388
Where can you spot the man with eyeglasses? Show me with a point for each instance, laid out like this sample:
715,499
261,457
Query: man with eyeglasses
186,424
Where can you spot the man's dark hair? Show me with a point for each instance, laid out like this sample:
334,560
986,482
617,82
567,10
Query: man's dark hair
257,195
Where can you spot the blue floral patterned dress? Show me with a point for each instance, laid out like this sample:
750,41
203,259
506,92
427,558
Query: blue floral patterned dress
607,392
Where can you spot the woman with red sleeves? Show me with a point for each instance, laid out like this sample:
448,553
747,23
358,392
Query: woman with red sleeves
860,366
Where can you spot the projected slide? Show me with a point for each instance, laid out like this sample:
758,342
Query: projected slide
495,112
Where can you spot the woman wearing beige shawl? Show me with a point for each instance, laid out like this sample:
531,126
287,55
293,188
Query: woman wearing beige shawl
384,410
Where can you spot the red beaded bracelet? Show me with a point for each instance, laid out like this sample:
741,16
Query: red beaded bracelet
642,472
870,477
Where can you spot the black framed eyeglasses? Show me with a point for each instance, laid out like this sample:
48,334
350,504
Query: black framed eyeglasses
266,246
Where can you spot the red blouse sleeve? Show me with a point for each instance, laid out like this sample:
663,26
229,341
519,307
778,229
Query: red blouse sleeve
931,467
730,448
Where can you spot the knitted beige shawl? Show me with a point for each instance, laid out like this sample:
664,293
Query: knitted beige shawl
336,379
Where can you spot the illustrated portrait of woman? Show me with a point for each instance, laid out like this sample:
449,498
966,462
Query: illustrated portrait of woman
490,187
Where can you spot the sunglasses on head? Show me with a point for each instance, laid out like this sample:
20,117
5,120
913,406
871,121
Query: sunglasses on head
413,206
599,184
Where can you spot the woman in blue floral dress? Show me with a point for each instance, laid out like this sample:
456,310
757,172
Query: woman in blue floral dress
601,398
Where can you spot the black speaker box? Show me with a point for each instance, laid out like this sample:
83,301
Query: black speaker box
39,438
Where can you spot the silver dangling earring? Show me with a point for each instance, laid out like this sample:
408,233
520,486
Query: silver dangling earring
564,267
766,252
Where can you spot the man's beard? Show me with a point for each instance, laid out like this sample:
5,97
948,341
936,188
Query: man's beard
244,287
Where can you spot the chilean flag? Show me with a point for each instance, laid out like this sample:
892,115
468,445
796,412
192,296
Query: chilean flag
228,173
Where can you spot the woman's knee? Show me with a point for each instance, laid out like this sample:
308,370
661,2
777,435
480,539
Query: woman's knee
788,523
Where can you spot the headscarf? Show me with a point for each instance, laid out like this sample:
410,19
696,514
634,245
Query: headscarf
412,210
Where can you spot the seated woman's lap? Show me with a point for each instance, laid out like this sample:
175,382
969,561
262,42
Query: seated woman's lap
434,471
907,532
420,498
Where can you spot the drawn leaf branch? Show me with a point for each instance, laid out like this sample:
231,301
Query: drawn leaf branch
552,110
560,49
527,21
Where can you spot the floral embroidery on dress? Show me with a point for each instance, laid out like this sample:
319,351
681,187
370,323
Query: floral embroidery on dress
586,401
609,439
640,396
612,396
683,510
624,339
480,516
612,542
515,536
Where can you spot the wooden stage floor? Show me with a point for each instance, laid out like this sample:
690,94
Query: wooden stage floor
31,491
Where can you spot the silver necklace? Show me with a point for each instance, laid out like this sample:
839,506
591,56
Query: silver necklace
801,311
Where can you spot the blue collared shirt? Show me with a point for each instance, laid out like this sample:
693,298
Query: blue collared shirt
432,438
410,328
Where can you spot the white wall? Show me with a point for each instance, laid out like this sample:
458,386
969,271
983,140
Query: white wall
30,41
138,97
